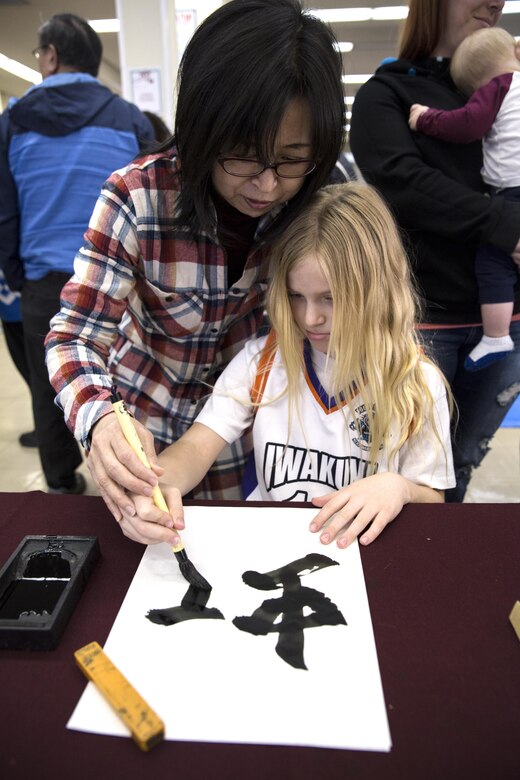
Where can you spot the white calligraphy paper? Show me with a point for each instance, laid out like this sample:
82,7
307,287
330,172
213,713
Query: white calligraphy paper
210,681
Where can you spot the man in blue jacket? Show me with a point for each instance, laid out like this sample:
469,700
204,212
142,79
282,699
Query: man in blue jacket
58,144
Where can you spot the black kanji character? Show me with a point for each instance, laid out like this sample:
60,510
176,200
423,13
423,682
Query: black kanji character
290,606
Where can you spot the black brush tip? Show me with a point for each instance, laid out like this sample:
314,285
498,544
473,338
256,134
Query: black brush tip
191,575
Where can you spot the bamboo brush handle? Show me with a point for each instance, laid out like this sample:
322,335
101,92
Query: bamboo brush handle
130,434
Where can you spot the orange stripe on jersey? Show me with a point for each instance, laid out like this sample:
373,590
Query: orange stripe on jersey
264,367
319,400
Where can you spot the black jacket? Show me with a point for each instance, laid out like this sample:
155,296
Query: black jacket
434,188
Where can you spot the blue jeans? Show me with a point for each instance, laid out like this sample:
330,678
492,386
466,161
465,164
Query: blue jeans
482,397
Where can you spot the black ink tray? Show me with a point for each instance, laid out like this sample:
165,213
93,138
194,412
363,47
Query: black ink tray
40,585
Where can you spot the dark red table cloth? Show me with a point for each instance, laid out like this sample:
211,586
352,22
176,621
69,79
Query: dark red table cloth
441,583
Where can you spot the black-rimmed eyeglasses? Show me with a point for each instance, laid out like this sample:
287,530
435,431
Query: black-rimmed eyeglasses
245,166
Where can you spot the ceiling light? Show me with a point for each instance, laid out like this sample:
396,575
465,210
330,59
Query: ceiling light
356,78
343,14
344,46
17,69
389,12
386,13
383,13
105,25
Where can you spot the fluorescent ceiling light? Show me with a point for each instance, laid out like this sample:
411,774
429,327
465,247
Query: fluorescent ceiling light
344,46
105,25
364,14
386,13
383,13
356,78
343,14
17,69
349,99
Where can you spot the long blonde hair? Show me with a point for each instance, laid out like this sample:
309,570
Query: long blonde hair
375,350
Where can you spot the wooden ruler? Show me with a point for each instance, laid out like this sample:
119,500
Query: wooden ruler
146,727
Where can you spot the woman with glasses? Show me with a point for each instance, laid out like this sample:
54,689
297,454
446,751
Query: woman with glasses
171,280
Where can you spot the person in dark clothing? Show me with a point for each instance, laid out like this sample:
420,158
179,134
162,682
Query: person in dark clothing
441,203
343,172
58,144
486,68
161,129
12,325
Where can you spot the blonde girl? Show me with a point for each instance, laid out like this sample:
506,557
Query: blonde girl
345,410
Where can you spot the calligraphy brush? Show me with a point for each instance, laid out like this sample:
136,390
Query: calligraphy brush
188,570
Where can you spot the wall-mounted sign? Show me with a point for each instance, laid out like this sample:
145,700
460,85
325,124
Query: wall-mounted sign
146,89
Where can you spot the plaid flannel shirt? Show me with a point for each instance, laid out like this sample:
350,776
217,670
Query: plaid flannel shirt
150,308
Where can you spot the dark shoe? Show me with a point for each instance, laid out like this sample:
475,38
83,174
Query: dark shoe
76,489
485,361
28,439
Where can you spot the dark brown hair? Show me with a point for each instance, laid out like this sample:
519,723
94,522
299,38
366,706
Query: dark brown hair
423,28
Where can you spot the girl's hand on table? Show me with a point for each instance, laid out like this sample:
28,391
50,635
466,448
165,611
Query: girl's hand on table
373,501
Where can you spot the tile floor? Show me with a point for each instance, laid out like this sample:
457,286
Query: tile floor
497,479
20,468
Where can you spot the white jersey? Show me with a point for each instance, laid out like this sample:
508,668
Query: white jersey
327,447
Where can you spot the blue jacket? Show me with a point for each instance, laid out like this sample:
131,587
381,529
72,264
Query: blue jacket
58,144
